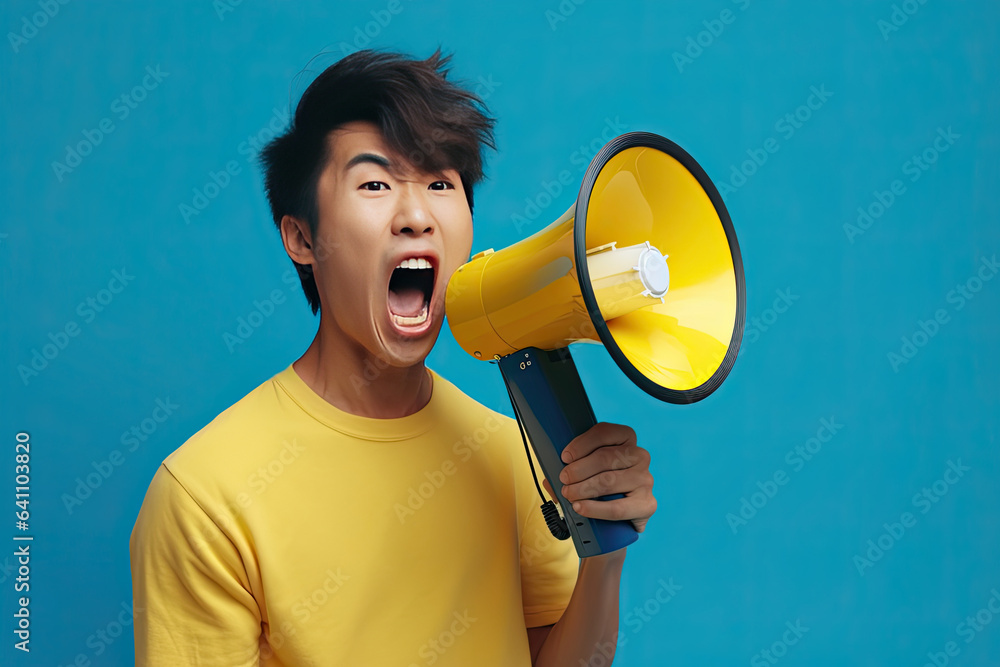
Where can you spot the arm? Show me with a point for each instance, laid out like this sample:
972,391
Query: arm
589,626
191,596
605,459
536,637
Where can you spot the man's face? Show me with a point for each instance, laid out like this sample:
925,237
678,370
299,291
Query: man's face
377,211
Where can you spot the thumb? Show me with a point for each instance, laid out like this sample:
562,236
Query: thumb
548,487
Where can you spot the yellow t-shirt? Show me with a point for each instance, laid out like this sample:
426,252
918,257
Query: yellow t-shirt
289,532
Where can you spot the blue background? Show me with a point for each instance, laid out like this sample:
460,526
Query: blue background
553,85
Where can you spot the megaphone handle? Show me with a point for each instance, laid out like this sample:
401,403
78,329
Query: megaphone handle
551,403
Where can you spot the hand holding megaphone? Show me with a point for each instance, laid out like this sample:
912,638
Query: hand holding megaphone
613,449
647,264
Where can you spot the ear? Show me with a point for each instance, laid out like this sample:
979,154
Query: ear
297,238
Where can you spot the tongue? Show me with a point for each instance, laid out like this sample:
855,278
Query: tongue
406,301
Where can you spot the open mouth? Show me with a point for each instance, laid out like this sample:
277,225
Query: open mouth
410,289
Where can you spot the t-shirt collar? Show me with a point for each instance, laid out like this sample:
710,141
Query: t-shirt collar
365,428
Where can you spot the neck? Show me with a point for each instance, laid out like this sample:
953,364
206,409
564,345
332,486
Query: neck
352,379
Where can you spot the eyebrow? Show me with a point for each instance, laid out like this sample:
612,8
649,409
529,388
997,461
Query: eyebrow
371,158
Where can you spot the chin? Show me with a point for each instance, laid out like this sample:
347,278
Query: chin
403,352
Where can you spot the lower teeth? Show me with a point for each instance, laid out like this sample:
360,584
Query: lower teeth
411,321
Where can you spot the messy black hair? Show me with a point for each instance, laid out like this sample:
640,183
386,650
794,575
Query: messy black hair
428,120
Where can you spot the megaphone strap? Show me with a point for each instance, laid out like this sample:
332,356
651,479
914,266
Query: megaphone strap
557,524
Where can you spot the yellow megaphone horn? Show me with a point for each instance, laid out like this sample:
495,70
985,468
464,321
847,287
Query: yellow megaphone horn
646,263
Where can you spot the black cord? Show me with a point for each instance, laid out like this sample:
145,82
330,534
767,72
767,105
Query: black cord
557,524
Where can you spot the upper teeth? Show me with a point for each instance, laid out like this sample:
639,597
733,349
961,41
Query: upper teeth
414,263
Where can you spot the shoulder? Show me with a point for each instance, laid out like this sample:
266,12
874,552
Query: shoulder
231,437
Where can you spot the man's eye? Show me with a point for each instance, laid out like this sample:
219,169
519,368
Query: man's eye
446,184
369,184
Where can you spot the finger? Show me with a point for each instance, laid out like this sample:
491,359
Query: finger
637,507
616,457
598,435
608,482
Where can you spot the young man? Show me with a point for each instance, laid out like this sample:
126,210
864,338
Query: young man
357,508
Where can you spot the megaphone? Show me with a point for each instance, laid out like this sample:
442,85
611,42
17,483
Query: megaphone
645,263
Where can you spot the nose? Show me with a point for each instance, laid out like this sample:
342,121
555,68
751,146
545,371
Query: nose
413,216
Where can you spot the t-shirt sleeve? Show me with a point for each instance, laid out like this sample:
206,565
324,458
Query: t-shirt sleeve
549,567
191,597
